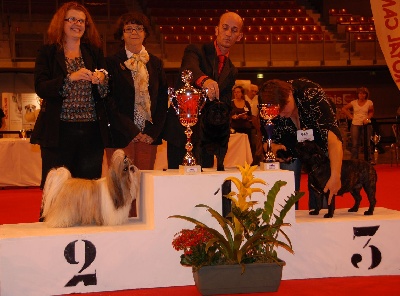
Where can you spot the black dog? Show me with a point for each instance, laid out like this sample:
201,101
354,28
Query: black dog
215,129
356,174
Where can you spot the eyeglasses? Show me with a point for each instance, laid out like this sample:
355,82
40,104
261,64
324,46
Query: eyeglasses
74,20
130,30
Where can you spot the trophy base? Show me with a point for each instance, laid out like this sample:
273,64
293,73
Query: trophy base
266,166
189,169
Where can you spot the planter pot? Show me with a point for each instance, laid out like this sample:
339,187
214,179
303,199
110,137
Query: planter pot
228,279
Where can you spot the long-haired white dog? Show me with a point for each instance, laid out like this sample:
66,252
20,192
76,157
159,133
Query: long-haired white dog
71,201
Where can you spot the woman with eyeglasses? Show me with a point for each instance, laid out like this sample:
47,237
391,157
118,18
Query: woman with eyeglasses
70,78
138,86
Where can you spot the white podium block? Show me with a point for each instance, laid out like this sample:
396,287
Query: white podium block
37,260
189,170
266,166
349,244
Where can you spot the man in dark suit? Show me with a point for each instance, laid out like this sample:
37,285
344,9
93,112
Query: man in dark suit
212,70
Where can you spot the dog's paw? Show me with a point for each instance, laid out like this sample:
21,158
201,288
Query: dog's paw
314,212
353,210
328,215
220,168
368,213
285,155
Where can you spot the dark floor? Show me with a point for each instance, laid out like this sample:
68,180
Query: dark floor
386,155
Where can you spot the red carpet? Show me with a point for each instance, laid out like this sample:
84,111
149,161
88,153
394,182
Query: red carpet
22,206
387,191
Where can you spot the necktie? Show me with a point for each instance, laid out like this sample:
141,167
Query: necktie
221,62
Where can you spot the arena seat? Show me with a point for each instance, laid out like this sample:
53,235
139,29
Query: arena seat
185,39
254,39
364,36
201,38
360,28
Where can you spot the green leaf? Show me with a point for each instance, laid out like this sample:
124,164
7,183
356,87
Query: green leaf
270,203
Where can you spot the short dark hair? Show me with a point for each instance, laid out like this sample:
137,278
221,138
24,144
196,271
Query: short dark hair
240,87
275,91
133,17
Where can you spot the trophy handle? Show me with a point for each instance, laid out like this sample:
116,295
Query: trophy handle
173,99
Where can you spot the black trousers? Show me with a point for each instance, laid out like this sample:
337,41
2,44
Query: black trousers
80,150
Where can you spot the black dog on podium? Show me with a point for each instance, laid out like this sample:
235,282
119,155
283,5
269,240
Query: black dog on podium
215,128
356,174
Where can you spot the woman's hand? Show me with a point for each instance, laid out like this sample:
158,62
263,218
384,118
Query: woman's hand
239,116
98,77
81,74
275,148
143,138
366,121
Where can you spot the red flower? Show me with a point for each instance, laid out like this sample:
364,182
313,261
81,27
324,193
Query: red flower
186,239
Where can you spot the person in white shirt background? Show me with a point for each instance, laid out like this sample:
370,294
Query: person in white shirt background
362,112
255,137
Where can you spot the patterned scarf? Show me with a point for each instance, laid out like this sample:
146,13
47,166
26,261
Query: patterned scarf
137,64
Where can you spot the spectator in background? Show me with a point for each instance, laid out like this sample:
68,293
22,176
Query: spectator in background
138,85
360,112
255,137
212,70
70,78
252,97
241,118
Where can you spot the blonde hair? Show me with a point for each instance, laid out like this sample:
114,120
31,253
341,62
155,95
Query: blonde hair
364,90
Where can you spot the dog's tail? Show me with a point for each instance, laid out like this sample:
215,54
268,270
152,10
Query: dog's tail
54,182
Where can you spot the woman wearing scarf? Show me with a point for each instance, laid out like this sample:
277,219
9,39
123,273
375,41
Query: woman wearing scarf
139,89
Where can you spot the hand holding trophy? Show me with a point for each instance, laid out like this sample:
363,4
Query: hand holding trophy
187,102
267,113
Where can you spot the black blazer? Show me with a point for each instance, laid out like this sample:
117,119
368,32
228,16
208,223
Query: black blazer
202,60
122,92
50,72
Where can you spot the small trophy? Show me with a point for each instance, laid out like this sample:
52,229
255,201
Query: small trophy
267,113
23,134
375,139
187,102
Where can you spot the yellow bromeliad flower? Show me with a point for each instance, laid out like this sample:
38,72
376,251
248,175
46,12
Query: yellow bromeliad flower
244,190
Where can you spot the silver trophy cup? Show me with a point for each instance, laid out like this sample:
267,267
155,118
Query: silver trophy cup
187,102
267,113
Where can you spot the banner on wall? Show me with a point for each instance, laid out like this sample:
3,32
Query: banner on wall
21,110
340,97
30,110
386,15
5,106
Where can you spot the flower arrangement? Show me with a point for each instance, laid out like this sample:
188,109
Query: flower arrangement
249,234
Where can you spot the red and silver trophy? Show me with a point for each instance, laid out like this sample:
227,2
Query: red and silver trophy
267,113
188,102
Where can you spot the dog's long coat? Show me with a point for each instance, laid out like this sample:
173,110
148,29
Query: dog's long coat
71,201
